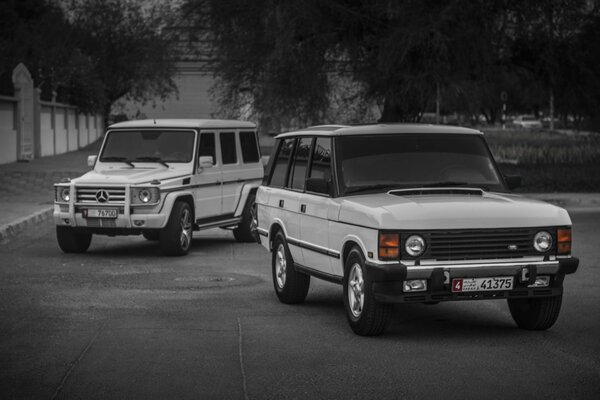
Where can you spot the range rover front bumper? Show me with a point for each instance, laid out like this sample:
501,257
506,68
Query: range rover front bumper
387,280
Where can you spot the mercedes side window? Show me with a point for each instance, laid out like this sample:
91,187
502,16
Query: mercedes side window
282,160
228,148
207,146
249,145
301,163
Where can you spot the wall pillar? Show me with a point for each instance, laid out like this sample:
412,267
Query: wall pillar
24,92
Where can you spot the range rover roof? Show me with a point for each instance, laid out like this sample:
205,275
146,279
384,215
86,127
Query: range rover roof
378,129
184,123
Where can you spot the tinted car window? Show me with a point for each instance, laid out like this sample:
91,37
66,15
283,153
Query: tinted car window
321,161
278,178
301,163
228,150
249,145
406,160
207,145
168,146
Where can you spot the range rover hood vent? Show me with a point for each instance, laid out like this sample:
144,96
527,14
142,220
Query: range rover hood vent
437,191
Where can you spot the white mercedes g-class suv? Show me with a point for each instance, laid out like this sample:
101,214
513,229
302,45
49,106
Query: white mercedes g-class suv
408,213
163,179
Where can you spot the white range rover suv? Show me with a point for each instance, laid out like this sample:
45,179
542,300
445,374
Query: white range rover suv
408,213
163,179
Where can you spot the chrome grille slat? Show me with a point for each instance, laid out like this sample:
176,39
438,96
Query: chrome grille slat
88,195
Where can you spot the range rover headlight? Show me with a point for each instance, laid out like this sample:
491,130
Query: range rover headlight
542,241
414,245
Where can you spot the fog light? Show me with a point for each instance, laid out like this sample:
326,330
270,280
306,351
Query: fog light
139,222
416,285
541,281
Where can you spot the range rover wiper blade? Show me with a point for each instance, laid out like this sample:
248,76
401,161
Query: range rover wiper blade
118,159
454,184
366,188
152,159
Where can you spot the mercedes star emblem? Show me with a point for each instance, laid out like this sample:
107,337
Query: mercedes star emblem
102,196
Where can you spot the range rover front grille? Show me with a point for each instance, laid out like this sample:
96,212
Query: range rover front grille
101,195
478,244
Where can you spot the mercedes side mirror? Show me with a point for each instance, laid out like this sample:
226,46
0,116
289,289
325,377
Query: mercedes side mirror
206,162
92,161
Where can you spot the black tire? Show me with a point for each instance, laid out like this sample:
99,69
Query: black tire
290,285
71,241
246,231
176,237
535,314
153,235
366,316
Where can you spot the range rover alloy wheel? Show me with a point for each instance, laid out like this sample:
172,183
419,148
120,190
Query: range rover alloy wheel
366,316
535,314
176,237
290,285
246,230
71,241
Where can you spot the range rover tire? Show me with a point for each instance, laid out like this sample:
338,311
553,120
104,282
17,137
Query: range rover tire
71,241
153,235
366,316
176,237
246,230
535,314
290,285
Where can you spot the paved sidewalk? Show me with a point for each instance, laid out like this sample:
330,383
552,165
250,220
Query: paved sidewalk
27,193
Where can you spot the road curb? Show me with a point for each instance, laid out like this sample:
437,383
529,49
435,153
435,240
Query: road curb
14,228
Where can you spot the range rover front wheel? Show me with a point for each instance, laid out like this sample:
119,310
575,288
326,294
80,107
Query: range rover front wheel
71,241
535,314
290,285
176,237
366,316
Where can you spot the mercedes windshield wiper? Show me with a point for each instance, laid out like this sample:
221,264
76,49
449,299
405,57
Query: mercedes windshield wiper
118,159
152,159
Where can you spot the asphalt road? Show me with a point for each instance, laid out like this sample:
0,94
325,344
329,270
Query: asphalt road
124,322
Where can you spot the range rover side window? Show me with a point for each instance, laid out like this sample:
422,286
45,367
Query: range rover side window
321,160
279,176
249,147
301,163
228,149
207,146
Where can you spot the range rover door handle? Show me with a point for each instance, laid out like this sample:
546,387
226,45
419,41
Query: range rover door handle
280,203
302,208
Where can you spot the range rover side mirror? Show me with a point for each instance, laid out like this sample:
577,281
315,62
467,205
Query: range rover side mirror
205,162
91,161
317,185
513,181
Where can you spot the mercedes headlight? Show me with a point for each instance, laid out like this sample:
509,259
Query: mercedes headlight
145,196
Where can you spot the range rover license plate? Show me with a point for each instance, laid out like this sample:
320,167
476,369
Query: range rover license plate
482,284
100,213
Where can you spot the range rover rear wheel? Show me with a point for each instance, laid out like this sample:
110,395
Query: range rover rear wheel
176,237
246,230
366,316
290,285
535,314
71,241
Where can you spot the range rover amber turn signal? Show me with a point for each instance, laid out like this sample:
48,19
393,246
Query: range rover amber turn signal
389,246
563,238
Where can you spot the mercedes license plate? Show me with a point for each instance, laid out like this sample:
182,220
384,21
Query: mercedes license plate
481,284
100,213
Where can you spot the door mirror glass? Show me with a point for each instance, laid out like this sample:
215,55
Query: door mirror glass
91,161
513,181
317,185
205,162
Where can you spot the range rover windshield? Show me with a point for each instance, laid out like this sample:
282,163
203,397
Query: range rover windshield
400,161
148,146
